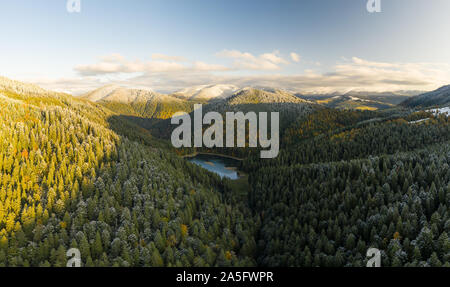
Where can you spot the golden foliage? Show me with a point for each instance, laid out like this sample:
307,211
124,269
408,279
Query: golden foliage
184,230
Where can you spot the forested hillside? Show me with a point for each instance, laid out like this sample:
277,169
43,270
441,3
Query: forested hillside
339,138
330,214
289,107
103,178
143,104
345,186
68,180
439,97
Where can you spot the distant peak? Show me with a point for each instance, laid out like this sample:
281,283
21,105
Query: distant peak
116,93
23,88
207,92
437,97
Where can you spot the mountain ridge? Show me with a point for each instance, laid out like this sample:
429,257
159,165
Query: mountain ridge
207,92
437,97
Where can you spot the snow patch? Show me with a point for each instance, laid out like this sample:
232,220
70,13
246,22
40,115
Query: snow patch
441,111
208,92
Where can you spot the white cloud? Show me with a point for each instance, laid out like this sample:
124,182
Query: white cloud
74,86
116,64
160,63
247,61
295,57
168,76
370,75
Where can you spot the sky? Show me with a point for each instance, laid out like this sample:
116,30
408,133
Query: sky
310,46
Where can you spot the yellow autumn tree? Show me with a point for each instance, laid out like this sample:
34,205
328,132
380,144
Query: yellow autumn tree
10,222
4,242
184,230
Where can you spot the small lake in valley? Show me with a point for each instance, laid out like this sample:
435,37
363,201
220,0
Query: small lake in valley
221,165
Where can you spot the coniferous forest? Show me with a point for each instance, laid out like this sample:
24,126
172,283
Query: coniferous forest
79,174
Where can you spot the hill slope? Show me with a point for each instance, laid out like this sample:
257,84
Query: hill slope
439,97
207,92
69,181
139,103
247,100
355,101
257,96
74,173
348,184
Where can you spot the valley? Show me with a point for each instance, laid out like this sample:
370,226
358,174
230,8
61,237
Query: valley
98,173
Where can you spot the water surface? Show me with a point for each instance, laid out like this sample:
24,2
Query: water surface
223,166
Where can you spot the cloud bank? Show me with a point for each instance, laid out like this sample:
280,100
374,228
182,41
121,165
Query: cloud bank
166,74
295,57
247,61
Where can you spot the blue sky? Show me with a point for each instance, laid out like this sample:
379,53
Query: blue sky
307,46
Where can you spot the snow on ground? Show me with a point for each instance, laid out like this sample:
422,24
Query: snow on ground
208,92
419,121
441,111
359,99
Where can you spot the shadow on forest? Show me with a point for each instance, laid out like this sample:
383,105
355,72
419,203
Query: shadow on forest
157,132
138,129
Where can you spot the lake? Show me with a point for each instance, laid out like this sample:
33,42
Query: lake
223,166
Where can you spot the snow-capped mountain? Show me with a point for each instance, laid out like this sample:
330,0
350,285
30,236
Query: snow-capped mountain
257,96
115,93
207,92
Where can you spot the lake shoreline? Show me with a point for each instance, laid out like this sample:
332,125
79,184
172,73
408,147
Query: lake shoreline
216,154
218,163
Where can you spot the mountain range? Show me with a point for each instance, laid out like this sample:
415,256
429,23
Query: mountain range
145,102
438,97
231,94
90,173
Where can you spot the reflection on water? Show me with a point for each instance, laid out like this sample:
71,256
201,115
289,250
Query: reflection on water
223,166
